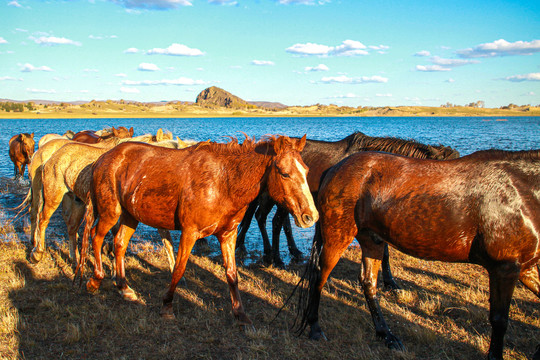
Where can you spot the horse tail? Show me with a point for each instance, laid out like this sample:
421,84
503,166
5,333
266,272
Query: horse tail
89,217
307,285
27,200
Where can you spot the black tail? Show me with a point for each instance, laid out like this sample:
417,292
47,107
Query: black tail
307,285
89,218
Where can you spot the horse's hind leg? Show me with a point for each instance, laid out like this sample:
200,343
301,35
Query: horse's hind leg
73,212
502,281
128,224
531,279
388,279
187,240
244,227
167,244
372,253
36,205
265,205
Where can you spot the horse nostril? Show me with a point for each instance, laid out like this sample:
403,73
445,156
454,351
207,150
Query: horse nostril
307,219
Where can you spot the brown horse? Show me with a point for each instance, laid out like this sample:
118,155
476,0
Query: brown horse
202,190
91,137
482,209
21,150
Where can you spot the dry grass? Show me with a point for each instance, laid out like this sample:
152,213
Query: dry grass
441,315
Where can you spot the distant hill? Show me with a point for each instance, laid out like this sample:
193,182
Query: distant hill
268,104
214,96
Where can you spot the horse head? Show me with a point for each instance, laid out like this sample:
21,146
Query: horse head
27,146
122,132
287,182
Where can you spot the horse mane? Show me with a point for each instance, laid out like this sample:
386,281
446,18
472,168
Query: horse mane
395,145
496,154
266,145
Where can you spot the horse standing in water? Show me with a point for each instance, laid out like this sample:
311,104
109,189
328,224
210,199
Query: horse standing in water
21,150
202,190
482,209
319,156
92,137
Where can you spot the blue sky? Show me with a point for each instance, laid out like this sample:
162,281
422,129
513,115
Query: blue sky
297,52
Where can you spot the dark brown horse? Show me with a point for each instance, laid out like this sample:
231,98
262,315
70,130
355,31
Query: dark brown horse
319,156
91,137
202,190
21,150
482,209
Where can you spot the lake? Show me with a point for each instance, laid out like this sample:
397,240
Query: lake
466,134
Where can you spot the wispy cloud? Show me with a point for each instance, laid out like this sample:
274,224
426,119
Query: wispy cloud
131,50
179,82
431,68
452,62
148,67
320,67
100,37
501,47
15,4
262,63
30,68
525,77
223,2
353,80
303,2
41,91
120,75
3,41
152,4
53,40
347,48
344,96
9,78
423,53
176,50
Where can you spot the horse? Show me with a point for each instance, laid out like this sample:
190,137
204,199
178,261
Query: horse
92,137
21,150
202,190
64,178
319,156
48,137
483,208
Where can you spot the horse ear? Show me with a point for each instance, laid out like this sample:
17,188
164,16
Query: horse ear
159,135
32,135
114,131
131,131
301,143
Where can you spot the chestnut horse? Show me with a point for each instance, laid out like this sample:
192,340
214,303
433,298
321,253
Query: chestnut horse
91,137
483,208
202,190
319,156
21,150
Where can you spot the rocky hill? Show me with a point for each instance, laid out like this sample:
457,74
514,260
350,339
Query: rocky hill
216,97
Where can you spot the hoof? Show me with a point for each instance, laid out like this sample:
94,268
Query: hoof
128,294
391,286
296,254
278,263
392,342
167,312
317,334
36,256
92,286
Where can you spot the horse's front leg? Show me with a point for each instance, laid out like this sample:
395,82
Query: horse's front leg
227,241
287,229
261,215
388,279
244,227
128,225
372,254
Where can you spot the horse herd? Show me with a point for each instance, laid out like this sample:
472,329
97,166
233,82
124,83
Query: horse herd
425,200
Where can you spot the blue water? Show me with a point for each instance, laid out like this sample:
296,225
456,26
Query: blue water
466,134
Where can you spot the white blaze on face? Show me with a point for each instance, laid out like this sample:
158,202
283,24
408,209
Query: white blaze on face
304,187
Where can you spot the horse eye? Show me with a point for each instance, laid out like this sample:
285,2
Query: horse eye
285,175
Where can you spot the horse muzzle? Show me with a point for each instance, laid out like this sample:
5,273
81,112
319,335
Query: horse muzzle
307,220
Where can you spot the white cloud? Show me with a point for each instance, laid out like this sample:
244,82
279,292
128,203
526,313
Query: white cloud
501,47
320,67
99,37
15,3
152,4
303,2
131,51
120,75
452,62
223,2
357,80
42,91
431,68
525,77
3,41
179,82
450,80
9,78
346,96
347,48
148,67
423,53
384,95
530,93
129,90
176,50
91,70
262,63
29,68
53,40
